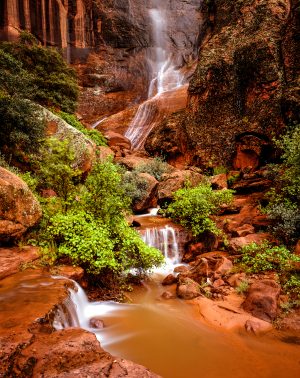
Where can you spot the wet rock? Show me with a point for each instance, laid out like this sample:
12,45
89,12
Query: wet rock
170,279
188,288
19,209
262,300
253,326
13,259
72,272
176,180
168,295
96,323
219,181
181,269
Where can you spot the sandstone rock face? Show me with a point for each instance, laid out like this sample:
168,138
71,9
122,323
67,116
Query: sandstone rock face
262,299
244,88
19,209
83,147
48,21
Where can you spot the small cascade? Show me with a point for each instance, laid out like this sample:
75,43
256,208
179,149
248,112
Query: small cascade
165,78
166,240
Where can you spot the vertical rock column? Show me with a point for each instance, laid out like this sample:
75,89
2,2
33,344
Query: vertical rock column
11,29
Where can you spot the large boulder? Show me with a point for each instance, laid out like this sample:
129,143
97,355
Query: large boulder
19,209
148,198
84,148
188,288
262,300
176,180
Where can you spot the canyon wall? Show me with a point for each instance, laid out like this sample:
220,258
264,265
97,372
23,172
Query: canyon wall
245,89
66,24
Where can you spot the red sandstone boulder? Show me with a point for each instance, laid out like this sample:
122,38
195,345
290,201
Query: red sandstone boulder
73,272
236,279
262,300
211,266
188,288
132,161
244,230
237,243
84,148
219,181
170,279
148,196
168,295
115,139
177,180
19,209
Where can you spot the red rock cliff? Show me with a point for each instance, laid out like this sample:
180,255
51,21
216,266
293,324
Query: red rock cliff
245,89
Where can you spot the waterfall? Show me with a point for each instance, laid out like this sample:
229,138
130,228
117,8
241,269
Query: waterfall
164,77
166,240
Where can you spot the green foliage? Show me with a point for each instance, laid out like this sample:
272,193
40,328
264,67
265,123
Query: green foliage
105,195
155,167
134,186
192,208
54,82
55,170
220,169
263,257
292,286
94,135
21,129
243,287
284,206
86,222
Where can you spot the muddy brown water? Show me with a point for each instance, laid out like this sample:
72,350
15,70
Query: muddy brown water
163,335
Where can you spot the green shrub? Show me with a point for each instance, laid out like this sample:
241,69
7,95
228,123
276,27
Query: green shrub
55,170
134,185
94,135
220,169
243,287
263,257
86,223
155,167
292,286
192,208
53,81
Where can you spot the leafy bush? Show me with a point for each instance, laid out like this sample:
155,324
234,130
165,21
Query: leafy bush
155,167
86,222
55,170
243,287
292,286
284,206
94,135
258,258
54,82
134,185
192,208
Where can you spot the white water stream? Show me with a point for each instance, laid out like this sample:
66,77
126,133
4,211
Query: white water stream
164,77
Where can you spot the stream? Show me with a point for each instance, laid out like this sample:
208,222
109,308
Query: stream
168,336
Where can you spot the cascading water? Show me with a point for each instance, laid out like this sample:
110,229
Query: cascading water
164,239
165,77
